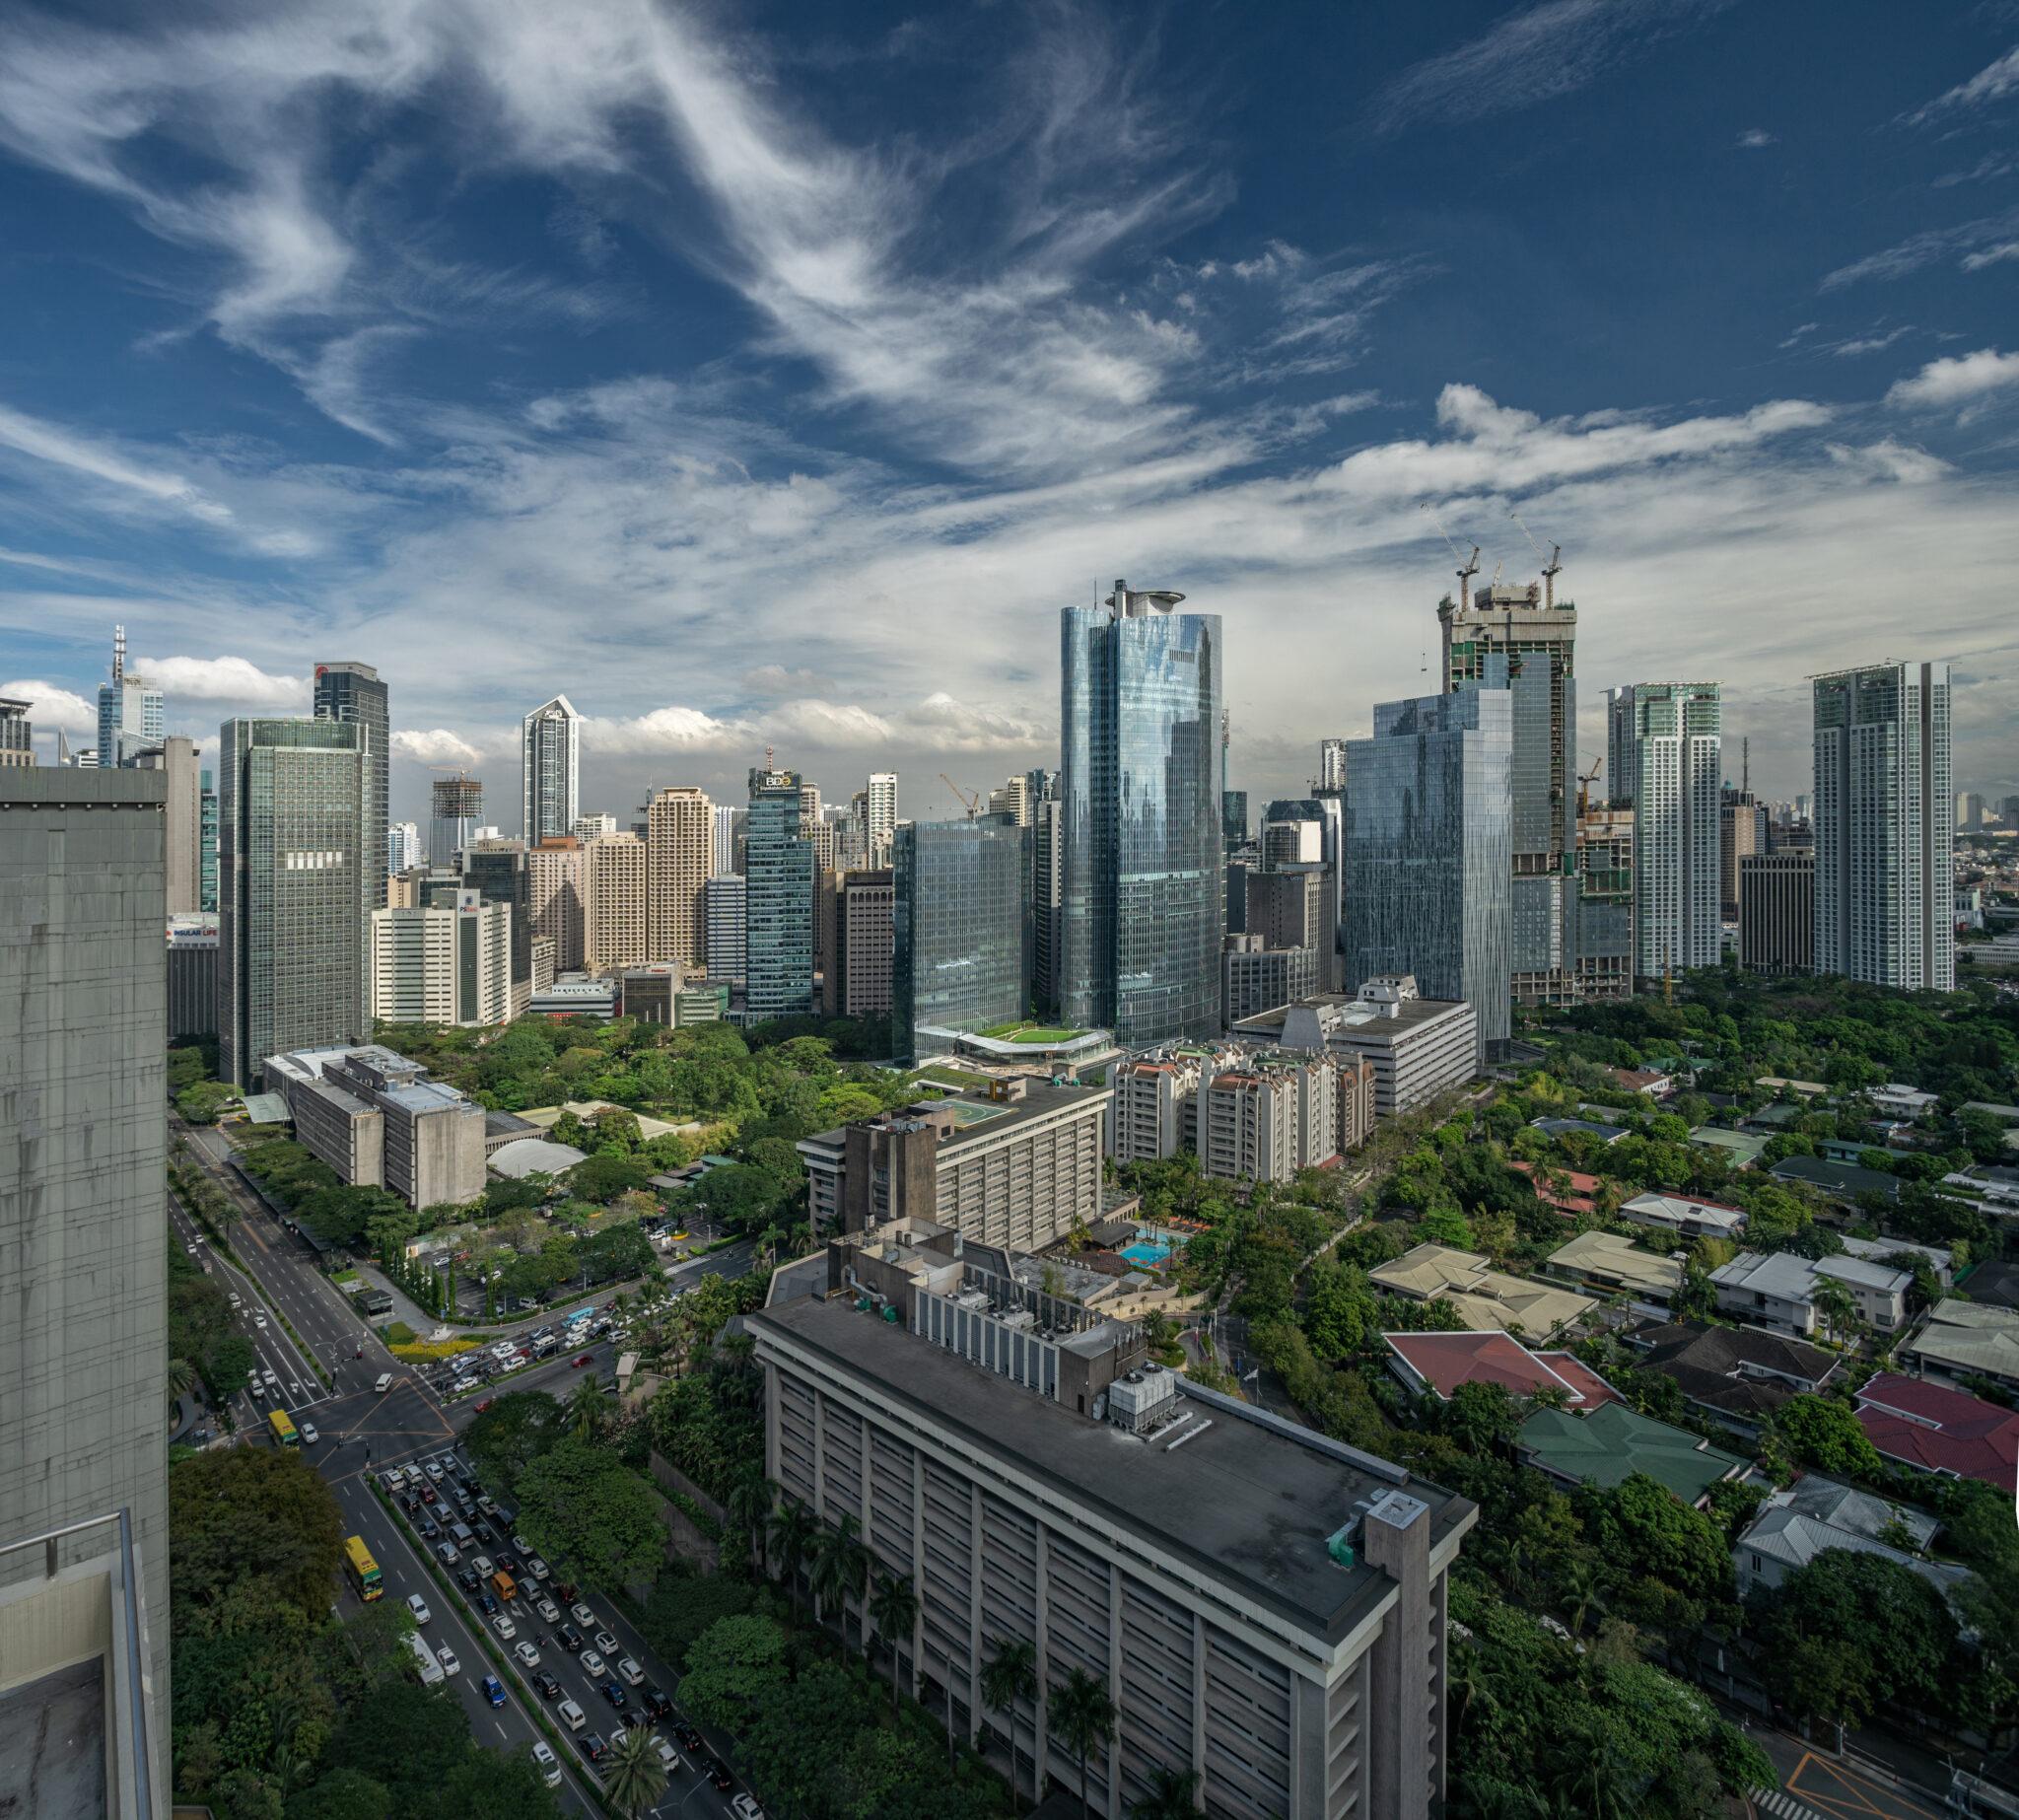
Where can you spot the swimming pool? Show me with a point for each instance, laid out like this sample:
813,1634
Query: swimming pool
1148,1255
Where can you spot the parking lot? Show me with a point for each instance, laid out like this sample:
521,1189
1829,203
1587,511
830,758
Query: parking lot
565,1650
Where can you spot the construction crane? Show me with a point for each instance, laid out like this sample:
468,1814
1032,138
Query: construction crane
1584,783
970,800
1551,569
1466,569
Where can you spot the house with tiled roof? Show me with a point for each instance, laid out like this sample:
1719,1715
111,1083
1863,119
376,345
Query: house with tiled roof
1685,1216
1794,1526
1483,1296
1612,1443
1437,1363
1742,1147
1967,1339
1842,1183
1936,1429
1607,1264
1740,1375
1569,1191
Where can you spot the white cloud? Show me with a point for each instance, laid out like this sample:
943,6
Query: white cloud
772,679
967,727
52,706
46,442
1756,138
1958,380
437,745
1924,248
1991,83
1999,254
1869,344
224,679
1888,460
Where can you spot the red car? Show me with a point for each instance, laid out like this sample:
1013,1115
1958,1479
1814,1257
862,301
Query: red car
485,1404
587,1359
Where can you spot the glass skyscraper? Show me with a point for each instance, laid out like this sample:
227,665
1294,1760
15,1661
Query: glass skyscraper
1139,785
206,844
131,712
353,692
962,928
550,761
292,956
1885,835
1675,746
1429,814
778,902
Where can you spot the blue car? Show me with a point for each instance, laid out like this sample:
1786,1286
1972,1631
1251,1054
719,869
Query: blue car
494,1690
613,1692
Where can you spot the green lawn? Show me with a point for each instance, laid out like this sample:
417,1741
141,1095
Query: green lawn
1029,1033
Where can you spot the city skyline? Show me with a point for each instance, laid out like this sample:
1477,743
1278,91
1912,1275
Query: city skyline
1207,378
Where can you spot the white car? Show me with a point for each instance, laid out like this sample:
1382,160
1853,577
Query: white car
462,1387
272,1382
549,1610
237,1300
548,1765
447,1658
592,1665
534,1565
520,1546
669,1758
572,1715
628,1670
529,1656
744,1807
419,1607
504,1626
434,1470
308,1435
260,1321
483,1566
258,1389
583,1615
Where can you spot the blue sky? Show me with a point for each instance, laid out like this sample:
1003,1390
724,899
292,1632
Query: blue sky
772,374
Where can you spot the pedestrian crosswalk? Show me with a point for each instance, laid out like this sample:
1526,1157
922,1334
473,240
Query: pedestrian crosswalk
1784,1807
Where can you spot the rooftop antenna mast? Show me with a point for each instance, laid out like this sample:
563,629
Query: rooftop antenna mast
1467,569
1551,569
1746,769
118,655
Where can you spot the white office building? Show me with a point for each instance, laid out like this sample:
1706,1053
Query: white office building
1676,750
550,770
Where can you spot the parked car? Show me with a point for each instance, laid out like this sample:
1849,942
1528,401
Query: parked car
419,1607
494,1690
572,1715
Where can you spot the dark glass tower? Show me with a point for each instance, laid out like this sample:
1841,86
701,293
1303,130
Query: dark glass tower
1140,778
352,693
960,929
777,902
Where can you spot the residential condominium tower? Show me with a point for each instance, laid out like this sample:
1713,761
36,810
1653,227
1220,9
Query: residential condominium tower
292,964
1525,640
550,760
680,825
777,900
1677,752
1883,821
880,816
1428,802
1143,907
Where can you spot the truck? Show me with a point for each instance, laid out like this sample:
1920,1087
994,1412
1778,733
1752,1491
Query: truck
424,1661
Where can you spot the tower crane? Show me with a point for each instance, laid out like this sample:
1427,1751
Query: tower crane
1466,568
970,800
1585,784
1551,569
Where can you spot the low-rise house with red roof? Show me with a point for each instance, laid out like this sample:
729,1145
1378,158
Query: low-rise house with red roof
1935,1429
1437,1363
1569,1191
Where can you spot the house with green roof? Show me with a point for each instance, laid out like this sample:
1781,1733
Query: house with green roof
1744,1147
1612,1444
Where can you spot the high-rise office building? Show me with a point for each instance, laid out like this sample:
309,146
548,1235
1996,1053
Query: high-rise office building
457,805
183,820
1429,808
882,815
679,835
724,840
1884,828
206,851
1233,819
292,962
1331,765
556,894
722,906
550,761
1605,903
84,1345
778,903
1677,748
857,980
402,847
1741,829
1621,768
498,870
1525,640
16,737
354,693
960,930
1777,913
1047,899
2009,812
1969,812
1140,779
442,962
130,710
613,903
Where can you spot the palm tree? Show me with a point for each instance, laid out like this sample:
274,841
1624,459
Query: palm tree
841,1564
894,1609
750,1502
1173,1795
1009,1677
633,1775
790,1532
1582,1592
1083,1715
181,1380
585,1411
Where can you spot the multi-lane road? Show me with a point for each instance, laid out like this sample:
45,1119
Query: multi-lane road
361,1432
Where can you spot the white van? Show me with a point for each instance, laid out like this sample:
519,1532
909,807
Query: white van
424,1661
385,1382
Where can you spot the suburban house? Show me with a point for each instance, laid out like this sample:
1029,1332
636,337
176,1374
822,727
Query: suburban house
1607,1264
1569,1191
1740,1375
1437,1363
1933,1428
1742,1149
1967,1339
1684,1216
1483,1296
1656,1082
1612,1443
1842,1183
1897,1101
1557,1127
1778,1289
1796,1525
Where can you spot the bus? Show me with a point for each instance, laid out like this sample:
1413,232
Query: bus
365,1577
283,1425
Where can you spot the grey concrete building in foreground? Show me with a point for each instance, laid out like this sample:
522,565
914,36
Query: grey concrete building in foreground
292,962
1427,831
378,1121
1266,1607
1885,833
84,1615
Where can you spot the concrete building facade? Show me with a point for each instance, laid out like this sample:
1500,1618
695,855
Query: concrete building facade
84,1530
1678,746
1778,912
557,897
1257,978
378,1121
723,906
613,901
680,829
442,962
1416,1047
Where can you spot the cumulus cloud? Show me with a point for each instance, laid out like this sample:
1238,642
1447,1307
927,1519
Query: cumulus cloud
818,724
770,679
436,745
1956,380
1756,138
953,726
1888,460
224,679
51,706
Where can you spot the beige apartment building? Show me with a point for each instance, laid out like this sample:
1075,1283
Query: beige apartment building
613,903
680,829
556,889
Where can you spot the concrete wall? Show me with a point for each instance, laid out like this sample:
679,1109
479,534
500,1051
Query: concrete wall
82,1146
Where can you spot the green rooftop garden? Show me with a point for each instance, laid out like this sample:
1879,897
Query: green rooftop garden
1029,1033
